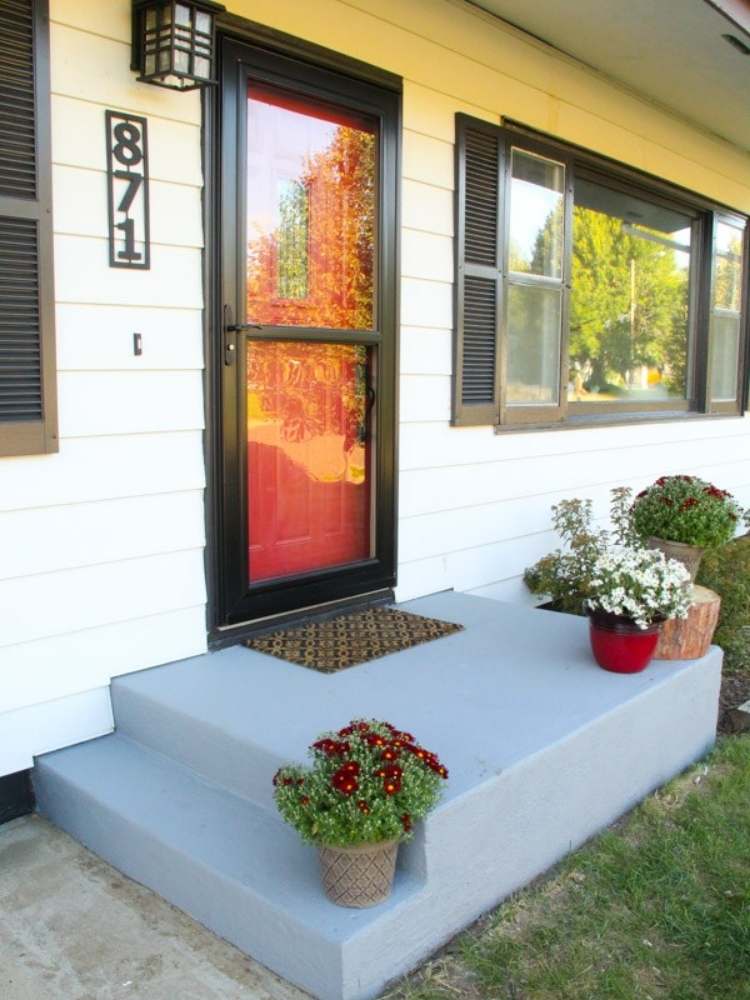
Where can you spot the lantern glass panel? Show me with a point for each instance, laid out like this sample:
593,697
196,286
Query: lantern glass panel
203,22
181,61
150,66
202,68
150,18
166,14
182,15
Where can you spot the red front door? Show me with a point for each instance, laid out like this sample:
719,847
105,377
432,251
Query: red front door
308,457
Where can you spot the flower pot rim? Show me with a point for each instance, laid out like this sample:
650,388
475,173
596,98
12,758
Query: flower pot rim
609,620
357,848
673,541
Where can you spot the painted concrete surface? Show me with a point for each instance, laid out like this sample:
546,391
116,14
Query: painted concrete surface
544,749
73,928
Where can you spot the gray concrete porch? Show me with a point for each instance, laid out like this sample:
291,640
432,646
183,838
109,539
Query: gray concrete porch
544,749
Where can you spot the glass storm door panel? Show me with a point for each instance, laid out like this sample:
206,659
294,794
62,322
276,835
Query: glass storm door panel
307,376
311,195
308,457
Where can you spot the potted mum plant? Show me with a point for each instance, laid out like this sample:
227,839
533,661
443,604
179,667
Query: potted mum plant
632,592
368,785
683,516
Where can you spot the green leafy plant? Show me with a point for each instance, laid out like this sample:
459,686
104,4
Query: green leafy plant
688,510
369,782
564,576
726,571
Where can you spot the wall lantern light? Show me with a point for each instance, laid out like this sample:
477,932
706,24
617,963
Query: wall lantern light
174,42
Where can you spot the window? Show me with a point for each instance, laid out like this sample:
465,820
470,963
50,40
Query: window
581,287
27,350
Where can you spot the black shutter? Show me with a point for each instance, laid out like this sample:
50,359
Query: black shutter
27,353
478,277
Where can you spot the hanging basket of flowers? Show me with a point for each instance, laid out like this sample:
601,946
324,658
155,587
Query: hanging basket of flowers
633,591
683,516
368,785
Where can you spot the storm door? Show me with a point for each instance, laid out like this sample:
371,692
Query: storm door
308,190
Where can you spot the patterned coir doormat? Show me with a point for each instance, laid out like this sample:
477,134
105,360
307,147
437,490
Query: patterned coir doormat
348,639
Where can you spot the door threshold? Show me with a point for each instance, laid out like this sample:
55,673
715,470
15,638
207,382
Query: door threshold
230,635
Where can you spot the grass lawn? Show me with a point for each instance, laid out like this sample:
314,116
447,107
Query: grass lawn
657,908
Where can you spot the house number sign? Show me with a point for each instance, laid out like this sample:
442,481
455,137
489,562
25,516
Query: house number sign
127,190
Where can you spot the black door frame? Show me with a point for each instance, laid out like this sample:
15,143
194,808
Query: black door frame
308,69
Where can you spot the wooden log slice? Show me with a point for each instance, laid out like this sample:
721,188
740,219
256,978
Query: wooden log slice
689,638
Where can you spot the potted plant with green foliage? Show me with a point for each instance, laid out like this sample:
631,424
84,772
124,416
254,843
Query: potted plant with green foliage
368,785
632,591
564,576
683,516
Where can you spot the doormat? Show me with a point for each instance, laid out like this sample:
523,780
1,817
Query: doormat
348,639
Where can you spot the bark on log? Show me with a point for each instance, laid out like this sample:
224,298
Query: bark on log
689,638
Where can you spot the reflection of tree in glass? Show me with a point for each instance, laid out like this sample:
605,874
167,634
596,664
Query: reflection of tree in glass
323,245
294,217
628,308
727,275
308,389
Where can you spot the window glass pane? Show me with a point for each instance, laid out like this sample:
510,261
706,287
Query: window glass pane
629,299
725,312
533,375
725,344
536,215
311,193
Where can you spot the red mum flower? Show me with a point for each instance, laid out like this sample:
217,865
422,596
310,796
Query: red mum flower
361,727
363,807
406,822
346,731
661,480
373,740
392,779
305,800
641,494
350,767
344,782
688,503
390,754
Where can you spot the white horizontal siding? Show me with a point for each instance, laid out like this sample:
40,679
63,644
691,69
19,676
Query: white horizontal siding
103,542
104,468
68,600
78,141
80,207
93,403
56,666
86,534
91,338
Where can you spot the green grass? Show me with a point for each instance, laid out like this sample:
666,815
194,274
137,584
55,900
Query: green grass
655,909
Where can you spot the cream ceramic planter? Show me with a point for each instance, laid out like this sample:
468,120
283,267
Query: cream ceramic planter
689,555
358,876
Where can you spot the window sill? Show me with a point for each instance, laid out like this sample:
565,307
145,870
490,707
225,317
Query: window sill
587,421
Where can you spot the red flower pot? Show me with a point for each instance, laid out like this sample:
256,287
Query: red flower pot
619,645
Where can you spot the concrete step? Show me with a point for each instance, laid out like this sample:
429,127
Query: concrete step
226,861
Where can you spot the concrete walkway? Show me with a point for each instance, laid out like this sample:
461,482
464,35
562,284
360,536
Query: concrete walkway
73,928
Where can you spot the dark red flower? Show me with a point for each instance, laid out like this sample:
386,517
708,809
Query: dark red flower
304,800
350,767
344,781
390,754
373,740
688,503
406,822
661,480
641,494
363,807
331,748
346,731
391,779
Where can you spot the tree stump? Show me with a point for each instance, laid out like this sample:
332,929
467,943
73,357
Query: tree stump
689,638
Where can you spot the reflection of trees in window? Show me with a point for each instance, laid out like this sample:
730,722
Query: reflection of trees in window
322,251
628,310
294,217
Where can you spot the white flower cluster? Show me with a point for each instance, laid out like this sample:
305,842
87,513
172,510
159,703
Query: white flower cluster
641,584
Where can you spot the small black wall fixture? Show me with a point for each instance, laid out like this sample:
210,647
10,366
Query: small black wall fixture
174,42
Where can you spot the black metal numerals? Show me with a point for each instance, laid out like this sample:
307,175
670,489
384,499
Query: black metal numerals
127,183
